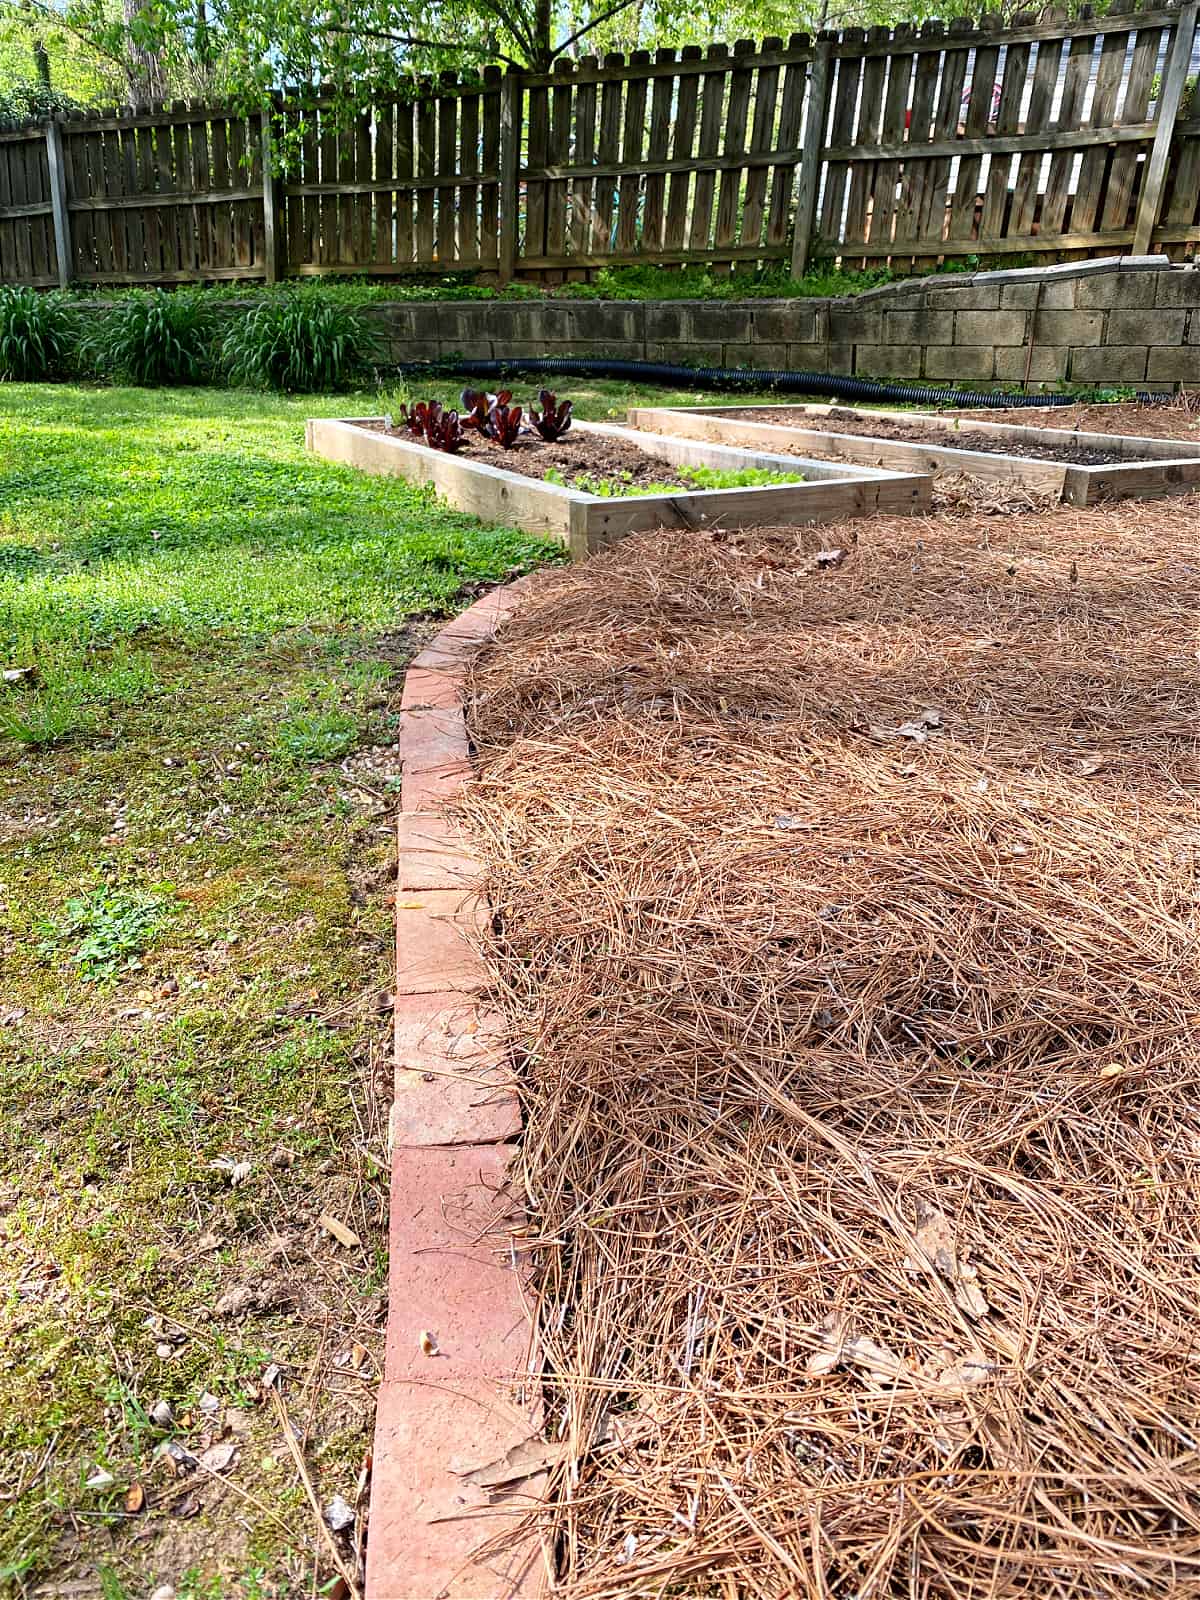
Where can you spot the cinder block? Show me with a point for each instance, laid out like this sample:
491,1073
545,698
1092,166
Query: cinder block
1047,364
1068,327
888,360
1180,365
619,321
719,324
756,355
789,321
687,355
914,327
852,326
665,323
1144,327
966,294
1178,287
462,324
1054,296
816,358
959,361
990,327
1126,290
1110,363
416,349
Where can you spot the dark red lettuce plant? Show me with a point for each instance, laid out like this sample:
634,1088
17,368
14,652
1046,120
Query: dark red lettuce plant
554,419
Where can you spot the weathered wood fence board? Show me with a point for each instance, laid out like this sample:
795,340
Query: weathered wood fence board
905,146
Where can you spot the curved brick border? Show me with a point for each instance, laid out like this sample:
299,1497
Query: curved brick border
452,1269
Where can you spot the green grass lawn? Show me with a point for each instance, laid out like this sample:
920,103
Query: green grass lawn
196,795
195,952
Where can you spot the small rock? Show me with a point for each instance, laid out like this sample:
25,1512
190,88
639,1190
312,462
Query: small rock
161,1414
163,1592
208,1403
235,1302
339,1515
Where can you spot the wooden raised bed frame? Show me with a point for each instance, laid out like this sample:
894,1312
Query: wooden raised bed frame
1150,467
586,523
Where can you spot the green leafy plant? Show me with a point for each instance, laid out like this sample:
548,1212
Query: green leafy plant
109,928
23,103
318,735
621,483
154,336
38,333
739,477
298,343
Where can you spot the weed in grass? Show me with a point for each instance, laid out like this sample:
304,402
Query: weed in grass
317,735
107,928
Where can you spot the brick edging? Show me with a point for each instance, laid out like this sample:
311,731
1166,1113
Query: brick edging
452,1270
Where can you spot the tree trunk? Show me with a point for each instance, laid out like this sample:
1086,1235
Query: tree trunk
543,53
145,69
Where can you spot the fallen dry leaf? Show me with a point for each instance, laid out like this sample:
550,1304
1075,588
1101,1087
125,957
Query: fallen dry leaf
935,1239
524,1460
218,1457
338,1230
428,1343
135,1499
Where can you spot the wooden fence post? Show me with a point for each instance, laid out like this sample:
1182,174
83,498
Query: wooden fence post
809,173
1174,80
57,166
272,231
510,161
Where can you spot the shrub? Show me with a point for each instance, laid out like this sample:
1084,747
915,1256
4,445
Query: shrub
154,336
37,335
24,103
297,342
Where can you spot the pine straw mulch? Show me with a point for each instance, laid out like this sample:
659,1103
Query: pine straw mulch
848,929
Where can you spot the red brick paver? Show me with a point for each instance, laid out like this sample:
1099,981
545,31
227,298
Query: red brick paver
460,1382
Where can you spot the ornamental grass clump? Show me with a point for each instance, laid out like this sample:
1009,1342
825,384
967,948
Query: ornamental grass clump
297,343
38,335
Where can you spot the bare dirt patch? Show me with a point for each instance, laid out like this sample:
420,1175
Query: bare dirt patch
879,427
1175,419
849,932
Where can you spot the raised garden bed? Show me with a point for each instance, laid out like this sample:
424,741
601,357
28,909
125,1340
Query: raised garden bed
510,486
1080,467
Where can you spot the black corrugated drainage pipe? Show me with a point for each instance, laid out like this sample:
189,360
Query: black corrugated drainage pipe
809,383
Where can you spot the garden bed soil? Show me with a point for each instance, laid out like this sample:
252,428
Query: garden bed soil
1176,420
575,455
881,427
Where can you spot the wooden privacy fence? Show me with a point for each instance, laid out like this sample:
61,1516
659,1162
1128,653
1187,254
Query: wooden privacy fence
898,146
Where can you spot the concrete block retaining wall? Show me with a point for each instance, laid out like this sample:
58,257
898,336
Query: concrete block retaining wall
1123,320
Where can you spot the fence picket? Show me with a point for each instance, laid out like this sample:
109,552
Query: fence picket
654,220
698,156
712,97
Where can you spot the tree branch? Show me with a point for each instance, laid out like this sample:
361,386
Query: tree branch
426,44
621,5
